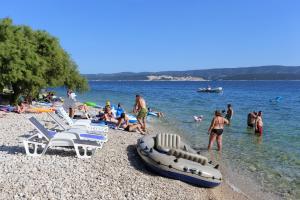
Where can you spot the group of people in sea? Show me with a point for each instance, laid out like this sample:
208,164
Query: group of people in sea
216,128
254,120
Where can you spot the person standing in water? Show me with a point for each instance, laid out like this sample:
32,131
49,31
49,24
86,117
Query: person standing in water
229,112
215,130
259,124
141,108
251,119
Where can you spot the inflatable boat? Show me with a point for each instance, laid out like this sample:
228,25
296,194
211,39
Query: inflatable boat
168,156
211,90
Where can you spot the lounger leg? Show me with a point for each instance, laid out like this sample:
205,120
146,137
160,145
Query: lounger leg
86,150
35,146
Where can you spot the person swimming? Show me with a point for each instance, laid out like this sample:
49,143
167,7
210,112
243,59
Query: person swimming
216,130
156,113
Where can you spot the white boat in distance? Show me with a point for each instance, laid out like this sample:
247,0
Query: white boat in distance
212,90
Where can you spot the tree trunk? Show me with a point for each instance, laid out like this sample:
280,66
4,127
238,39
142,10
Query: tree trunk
15,96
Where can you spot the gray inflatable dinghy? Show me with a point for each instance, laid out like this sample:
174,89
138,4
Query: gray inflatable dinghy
168,156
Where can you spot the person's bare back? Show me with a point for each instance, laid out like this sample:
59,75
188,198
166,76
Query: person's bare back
141,103
140,107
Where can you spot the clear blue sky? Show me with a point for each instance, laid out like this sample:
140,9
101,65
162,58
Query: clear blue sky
154,35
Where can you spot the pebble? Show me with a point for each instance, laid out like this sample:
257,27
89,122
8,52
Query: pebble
114,172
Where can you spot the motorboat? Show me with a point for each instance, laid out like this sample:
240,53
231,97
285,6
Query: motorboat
211,90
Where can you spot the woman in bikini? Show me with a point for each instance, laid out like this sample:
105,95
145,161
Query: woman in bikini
108,115
123,122
216,129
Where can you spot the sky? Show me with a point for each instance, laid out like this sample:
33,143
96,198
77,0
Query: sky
108,36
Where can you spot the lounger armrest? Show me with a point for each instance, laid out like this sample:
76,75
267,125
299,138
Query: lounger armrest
73,133
87,143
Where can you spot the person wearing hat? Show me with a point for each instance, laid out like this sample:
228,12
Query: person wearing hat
215,130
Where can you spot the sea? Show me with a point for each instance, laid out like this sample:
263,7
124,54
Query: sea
260,167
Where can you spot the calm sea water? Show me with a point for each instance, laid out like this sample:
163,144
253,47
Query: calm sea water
272,161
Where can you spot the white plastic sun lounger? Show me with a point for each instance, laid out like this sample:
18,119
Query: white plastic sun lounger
81,122
44,139
76,129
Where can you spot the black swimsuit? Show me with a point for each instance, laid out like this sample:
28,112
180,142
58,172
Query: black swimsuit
217,131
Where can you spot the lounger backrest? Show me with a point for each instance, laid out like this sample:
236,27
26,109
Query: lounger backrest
65,115
166,141
42,130
58,120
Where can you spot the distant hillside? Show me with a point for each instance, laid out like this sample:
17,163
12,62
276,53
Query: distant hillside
274,72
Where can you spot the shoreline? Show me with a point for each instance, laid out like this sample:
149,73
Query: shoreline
236,179
115,172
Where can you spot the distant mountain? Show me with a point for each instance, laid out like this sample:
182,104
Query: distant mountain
272,72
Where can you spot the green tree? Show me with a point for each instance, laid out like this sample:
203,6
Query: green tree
32,59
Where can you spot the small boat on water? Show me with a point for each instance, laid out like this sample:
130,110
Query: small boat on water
168,156
211,90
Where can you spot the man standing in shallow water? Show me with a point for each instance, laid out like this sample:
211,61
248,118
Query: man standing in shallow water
141,108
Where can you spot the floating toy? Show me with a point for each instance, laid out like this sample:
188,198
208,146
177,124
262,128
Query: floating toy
276,99
198,118
152,114
92,104
132,118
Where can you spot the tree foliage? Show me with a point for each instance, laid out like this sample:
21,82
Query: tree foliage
33,59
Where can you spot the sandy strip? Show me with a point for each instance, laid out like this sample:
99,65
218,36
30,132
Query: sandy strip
115,172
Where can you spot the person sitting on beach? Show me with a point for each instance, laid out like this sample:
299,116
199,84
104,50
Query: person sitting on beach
259,124
108,115
158,114
20,108
123,122
141,108
49,97
251,119
229,112
216,130
84,108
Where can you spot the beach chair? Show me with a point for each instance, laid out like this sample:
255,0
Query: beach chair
76,129
85,145
81,122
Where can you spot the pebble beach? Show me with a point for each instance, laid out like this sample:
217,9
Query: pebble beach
114,172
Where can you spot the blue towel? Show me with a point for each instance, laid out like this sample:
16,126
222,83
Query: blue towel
98,137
